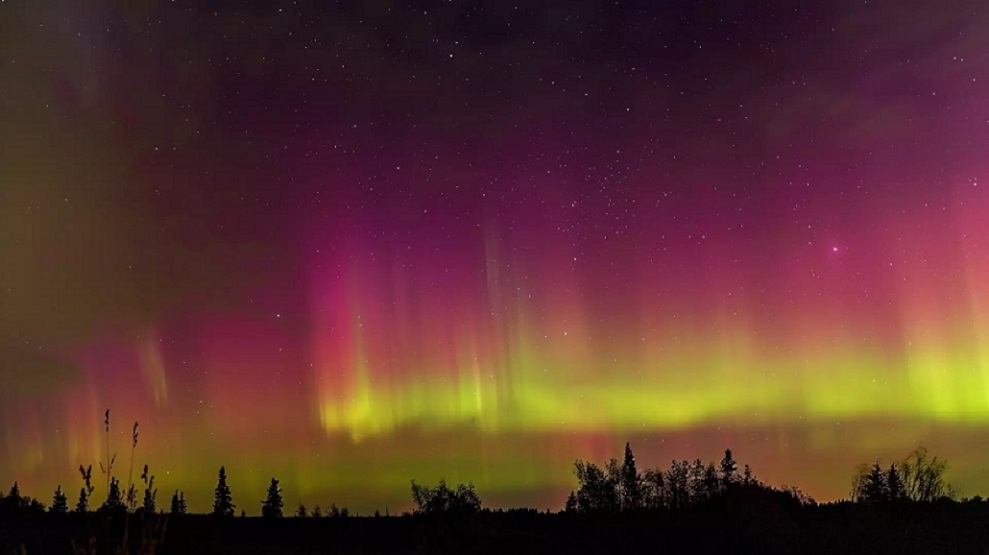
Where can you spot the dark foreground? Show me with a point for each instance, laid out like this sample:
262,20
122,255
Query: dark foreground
720,528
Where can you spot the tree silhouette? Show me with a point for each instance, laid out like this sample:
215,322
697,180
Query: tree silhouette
86,493
222,500
597,491
114,501
178,503
698,486
60,503
271,507
712,481
82,505
444,500
919,477
149,505
678,485
654,489
12,502
875,490
570,506
317,512
894,484
729,470
631,490
748,478
923,476
301,511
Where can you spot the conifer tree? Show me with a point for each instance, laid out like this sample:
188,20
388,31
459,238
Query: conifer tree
571,505
631,491
60,503
748,478
874,489
712,482
729,470
301,512
222,500
86,493
894,484
178,503
113,498
271,507
82,505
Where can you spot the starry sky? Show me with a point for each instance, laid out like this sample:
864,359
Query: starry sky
352,244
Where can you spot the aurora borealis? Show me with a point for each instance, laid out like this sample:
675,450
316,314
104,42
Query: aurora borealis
356,244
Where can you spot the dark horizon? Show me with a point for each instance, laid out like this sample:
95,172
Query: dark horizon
918,477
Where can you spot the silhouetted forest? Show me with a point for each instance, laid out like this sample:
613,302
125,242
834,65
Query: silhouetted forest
901,507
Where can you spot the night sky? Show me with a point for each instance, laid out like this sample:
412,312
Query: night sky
354,244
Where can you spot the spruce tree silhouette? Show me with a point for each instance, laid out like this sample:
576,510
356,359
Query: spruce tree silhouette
82,505
729,470
222,500
631,489
13,501
60,503
301,511
874,489
271,507
894,484
748,478
114,501
570,506
174,506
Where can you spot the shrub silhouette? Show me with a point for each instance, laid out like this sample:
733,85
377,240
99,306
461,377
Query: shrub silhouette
444,500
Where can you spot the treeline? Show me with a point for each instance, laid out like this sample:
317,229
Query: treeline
918,477
614,488
621,487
